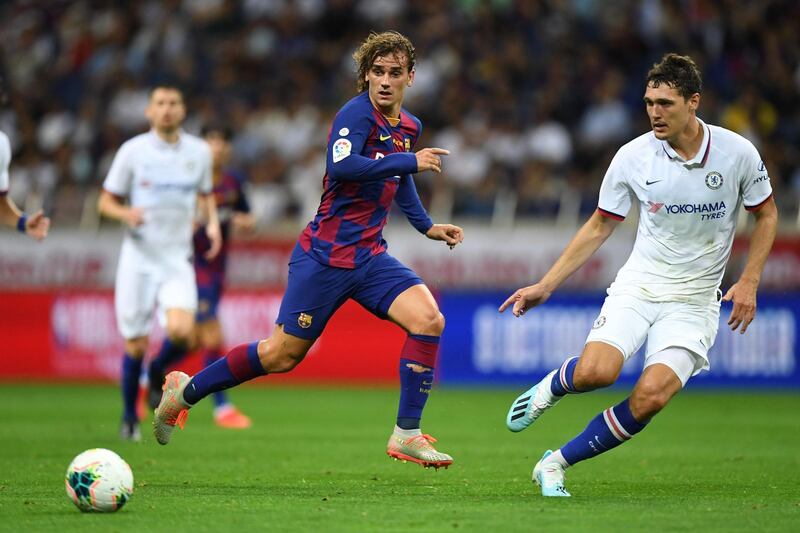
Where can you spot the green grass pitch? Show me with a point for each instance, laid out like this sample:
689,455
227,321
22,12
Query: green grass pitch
315,461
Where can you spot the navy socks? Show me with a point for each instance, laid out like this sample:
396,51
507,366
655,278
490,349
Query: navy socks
169,354
418,351
240,365
211,357
129,381
607,430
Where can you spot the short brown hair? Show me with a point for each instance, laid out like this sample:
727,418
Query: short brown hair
165,87
381,44
679,72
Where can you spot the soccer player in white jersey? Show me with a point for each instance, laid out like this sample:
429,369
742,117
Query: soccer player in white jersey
35,226
164,174
690,179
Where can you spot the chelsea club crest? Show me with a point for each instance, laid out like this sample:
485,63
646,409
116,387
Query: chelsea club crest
714,180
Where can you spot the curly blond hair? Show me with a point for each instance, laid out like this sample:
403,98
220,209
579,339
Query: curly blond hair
381,44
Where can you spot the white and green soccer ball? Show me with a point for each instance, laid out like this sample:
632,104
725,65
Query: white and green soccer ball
99,480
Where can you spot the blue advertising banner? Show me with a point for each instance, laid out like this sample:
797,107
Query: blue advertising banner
483,347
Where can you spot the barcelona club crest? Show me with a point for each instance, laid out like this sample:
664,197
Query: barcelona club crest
713,180
304,320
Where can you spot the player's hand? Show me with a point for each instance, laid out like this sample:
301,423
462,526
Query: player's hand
214,235
37,226
429,159
134,217
243,222
526,298
743,294
448,233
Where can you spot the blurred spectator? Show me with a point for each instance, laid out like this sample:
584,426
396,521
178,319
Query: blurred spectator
532,98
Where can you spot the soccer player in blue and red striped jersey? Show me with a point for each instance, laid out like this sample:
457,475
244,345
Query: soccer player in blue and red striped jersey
342,254
234,214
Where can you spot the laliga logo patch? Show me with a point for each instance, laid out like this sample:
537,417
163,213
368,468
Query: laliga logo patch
341,149
304,320
599,323
713,180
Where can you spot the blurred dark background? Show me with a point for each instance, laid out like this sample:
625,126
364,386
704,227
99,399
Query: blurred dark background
533,98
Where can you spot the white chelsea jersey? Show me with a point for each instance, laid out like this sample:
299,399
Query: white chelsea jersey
687,211
164,180
5,161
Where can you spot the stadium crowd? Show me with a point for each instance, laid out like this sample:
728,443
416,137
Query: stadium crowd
532,98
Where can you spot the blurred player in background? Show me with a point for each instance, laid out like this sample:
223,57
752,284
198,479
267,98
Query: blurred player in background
690,179
341,254
164,173
35,226
234,214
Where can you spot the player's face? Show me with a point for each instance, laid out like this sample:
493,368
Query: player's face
220,148
388,78
669,112
165,111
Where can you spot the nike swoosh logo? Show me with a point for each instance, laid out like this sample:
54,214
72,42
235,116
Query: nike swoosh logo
651,182
384,137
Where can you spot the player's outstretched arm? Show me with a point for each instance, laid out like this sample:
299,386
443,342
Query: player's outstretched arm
743,292
430,159
9,213
448,233
111,206
213,231
582,246
35,226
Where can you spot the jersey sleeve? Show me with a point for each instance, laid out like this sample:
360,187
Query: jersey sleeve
755,185
408,201
120,175
615,193
206,184
5,161
344,161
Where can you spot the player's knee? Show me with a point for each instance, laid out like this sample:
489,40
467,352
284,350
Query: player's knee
179,334
278,359
647,400
429,323
592,374
136,347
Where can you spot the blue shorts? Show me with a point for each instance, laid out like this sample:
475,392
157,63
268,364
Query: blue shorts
315,291
208,297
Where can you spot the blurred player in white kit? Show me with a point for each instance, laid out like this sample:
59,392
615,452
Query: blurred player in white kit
164,174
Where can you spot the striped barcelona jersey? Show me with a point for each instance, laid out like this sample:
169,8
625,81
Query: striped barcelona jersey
230,198
368,165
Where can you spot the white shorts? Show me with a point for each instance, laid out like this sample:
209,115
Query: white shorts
625,321
145,284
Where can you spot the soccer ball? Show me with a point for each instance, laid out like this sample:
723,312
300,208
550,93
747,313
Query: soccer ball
99,480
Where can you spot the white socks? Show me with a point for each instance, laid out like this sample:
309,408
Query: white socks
407,432
556,457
